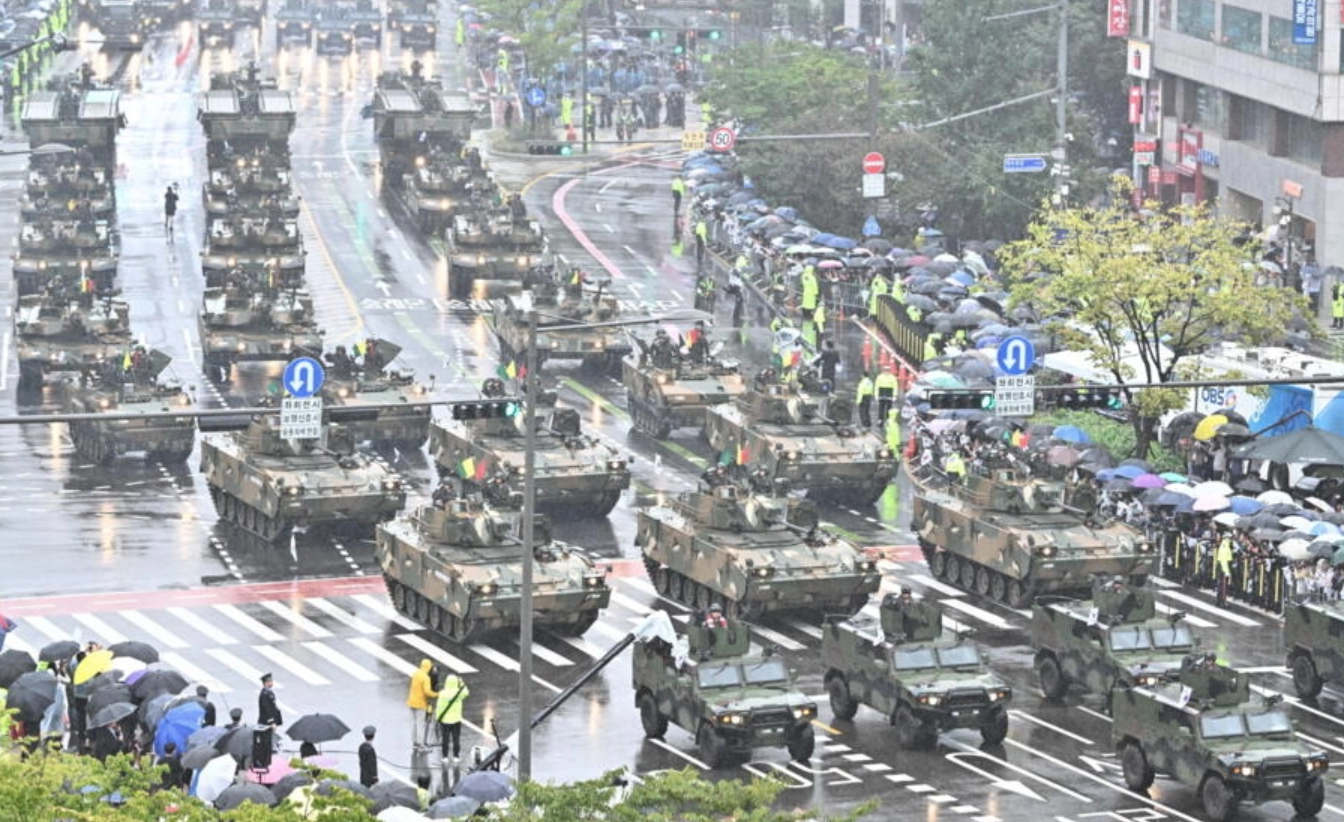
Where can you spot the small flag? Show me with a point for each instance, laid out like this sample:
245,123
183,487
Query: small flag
576,278
481,470
508,371
693,336
467,468
85,284
726,458
359,349
743,455
126,362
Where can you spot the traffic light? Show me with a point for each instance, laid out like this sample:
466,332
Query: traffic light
561,149
1075,398
711,34
655,35
979,400
680,47
486,409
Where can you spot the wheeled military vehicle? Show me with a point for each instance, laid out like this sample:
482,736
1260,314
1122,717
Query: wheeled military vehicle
456,566
1207,732
597,348
65,332
114,388
242,325
576,475
334,31
350,389
76,250
126,24
1012,538
419,123
752,551
1313,633
294,22
268,249
216,20
731,695
267,485
414,21
665,391
905,666
1116,639
498,244
805,439
366,21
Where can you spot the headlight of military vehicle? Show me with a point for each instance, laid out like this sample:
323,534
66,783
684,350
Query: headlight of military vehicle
431,29
732,719
294,490
391,485
1145,547
615,465
930,700
242,346
1000,694
1244,768
419,389
805,712
343,391
488,589
866,565
1046,550
182,400
1317,762
480,259
524,261
104,403
662,379
884,453
307,25
593,581
444,203
233,261
762,571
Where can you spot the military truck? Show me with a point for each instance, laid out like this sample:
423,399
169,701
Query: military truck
266,485
1313,633
665,391
415,22
577,476
456,567
805,439
1207,732
242,325
495,244
62,332
215,20
294,22
596,348
1011,538
366,20
74,250
267,249
733,696
752,550
349,391
126,24
114,388
334,32
905,666
1116,639
417,122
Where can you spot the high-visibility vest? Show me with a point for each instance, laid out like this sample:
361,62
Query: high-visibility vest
887,384
865,390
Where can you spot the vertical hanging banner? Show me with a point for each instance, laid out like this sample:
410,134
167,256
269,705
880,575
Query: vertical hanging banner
1117,18
1135,105
1306,21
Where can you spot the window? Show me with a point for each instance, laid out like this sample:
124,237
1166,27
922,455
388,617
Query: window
1241,29
914,659
1214,727
1177,636
1306,138
1251,122
1268,723
1164,9
720,676
958,656
1209,108
1195,18
1282,49
766,671
1129,639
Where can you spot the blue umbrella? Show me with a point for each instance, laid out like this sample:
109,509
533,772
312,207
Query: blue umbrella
1106,475
843,243
1245,506
1172,476
989,342
788,212
962,277
178,725
1126,471
1072,433
1323,528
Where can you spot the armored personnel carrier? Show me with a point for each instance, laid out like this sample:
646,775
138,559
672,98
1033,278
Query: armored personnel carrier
245,116
415,22
665,390
1313,633
442,184
576,475
78,113
752,551
1011,538
419,124
52,185
242,325
113,388
456,566
126,24
598,349
731,695
216,20
1117,639
498,244
335,36
805,439
255,185
64,332
268,249
267,485
350,388
921,678
70,250
294,22
1207,732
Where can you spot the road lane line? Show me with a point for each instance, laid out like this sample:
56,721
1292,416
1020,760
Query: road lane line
341,661
433,651
550,657
298,620
601,628
583,645
189,618
238,666
697,763
105,632
1037,721
154,629
930,582
47,627
1198,622
291,664
383,655
194,674
508,664
336,612
638,607
386,611
1225,613
977,613
232,612
1297,703
778,638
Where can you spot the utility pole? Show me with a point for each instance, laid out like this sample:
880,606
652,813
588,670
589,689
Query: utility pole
583,70
1061,152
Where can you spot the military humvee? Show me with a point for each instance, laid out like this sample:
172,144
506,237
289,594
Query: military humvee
1313,633
1206,732
1116,639
732,695
922,678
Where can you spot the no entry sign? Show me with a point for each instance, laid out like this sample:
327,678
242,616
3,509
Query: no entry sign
874,163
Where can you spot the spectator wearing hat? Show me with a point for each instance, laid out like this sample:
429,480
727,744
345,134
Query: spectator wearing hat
207,721
268,712
236,719
368,759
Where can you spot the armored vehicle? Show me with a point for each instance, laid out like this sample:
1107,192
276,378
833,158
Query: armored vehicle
598,349
216,19
732,695
753,551
350,388
79,114
456,566
805,439
59,252
245,116
294,22
241,325
665,391
366,21
269,249
416,120
334,31
1207,732
576,475
68,333
267,485
255,185
52,185
126,24
921,678
499,244
1012,538
250,12
442,184
415,22
1117,639
1313,633
114,388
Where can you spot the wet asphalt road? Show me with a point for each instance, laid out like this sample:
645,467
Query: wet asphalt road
78,533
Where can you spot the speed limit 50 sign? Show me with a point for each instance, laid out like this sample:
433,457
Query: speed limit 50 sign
722,139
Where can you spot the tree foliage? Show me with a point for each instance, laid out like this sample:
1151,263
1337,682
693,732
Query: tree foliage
546,31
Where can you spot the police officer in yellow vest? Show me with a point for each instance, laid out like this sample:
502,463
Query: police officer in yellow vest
898,290
931,346
678,191
876,288
886,384
1337,307
863,399
894,431
811,289
955,467
1222,567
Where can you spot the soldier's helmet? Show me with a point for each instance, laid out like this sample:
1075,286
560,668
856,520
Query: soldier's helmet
493,387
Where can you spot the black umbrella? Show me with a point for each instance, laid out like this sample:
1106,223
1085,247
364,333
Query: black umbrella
1163,498
237,743
1311,445
485,786
14,664
1250,485
206,736
198,756
289,783
329,786
1264,519
97,683
318,728
136,650
1120,485
1268,534
31,695
1137,463
235,795
878,244
153,683
152,710
109,695
108,714
392,793
1281,509
58,651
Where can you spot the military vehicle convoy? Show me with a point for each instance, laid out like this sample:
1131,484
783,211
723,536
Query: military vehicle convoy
732,695
78,113
922,678
665,391
1313,633
294,23
350,389
266,485
243,113
1115,640
1012,538
52,185
577,303
498,244
804,439
344,24
1208,733
421,129
258,185
54,252
754,552
414,21
268,250
577,476
456,567
126,24
240,325
215,20
113,388
63,332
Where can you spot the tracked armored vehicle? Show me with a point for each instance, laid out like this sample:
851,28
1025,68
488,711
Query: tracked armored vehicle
456,566
805,439
421,129
294,23
349,390
415,22
1011,538
922,678
216,21
245,116
665,391
1207,732
241,325
267,485
267,250
68,333
79,114
51,186
114,389
1313,633
598,349
753,552
441,185
59,252
731,695
498,244
257,185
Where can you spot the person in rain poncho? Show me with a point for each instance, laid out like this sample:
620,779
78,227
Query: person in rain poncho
418,701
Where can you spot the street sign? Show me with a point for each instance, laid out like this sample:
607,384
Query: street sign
1024,163
301,418
692,140
536,96
874,185
874,163
1016,355
722,139
303,377
1144,158
1015,396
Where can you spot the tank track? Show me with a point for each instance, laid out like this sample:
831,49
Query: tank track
460,631
248,518
90,446
675,586
646,421
974,578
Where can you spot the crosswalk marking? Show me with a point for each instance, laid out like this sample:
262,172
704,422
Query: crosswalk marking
1198,622
232,612
18,644
48,628
637,607
189,617
246,671
101,630
1225,613
180,664
342,661
155,630
778,638
300,621
551,657
929,582
584,645
978,613
811,630
291,664
434,652
386,611
508,664
613,633
340,614
383,655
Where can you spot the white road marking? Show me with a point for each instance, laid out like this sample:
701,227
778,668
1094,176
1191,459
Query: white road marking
697,763
637,607
811,630
300,621
342,661
103,631
291,664
336,612
1225,613
383,655
1198,622
193,673
191,619
155,630
584,645
778,638
1037,721
386,611
977,613
930,582
599,626
232,612
48,628
508,664
434,652
238,666
18,644
550,657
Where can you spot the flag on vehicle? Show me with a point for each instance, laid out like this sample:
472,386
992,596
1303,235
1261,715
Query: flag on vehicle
467,468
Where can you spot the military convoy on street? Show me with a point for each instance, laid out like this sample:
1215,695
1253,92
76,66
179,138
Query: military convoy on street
665,391
62,332
129,384
547,302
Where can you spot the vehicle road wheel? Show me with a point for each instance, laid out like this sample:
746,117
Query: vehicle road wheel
843,705
968,574
1019,596
1051,678
982,580
655,724
938,563
1310,799
713,750
1219,798
910,731
398,596
803,743
1138,773
998,587
952,572
1306,680
995,727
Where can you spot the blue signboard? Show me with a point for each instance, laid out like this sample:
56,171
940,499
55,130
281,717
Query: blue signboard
1016,355
536,97
1306,21
1023,163
303,377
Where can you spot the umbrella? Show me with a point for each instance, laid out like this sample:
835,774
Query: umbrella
1275,498
108,695
211,780
206,736
115,712
137,650
236,743
1305,445
1172,476
235,795
1338,558
1233,429
1209,426
177,726
1129,471
1227,518
1210,502
58,651
1250,485
1149,481
1322,550
31,694
1294,549
14,664
199,756
1267,534
1062,455
1245,506
1213,488
161,681
1181,488
1140,463
92,665
453,807
1107,474
485,786
152,711
289,783
128,666
1261,520
1071,433
1282,509
1325,529
392,793
318,728
1117,485
1296,523
1181,427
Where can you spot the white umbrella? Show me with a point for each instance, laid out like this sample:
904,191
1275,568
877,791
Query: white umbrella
1294,550
127,665
1315,502
1212,487
396,813
1296,523
214,778
1180,488
1275,498
1227,518
54,718
1211,502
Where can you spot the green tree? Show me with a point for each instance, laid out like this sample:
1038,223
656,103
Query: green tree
546,31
